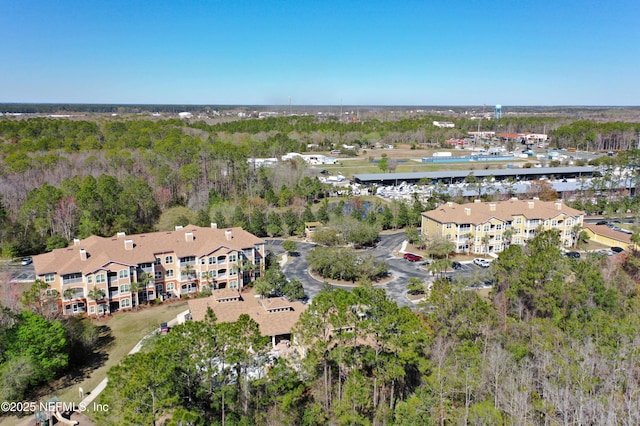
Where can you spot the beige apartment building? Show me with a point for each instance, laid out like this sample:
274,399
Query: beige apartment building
489,227
167,264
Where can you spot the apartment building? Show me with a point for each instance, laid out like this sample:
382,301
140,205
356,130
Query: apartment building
489,227
163,264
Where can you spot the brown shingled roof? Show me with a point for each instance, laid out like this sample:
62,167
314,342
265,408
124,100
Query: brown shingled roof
271,323
102,250
605,231
477,213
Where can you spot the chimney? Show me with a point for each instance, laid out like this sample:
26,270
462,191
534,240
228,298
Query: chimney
188,236
558,205
178,227
121,234
83,254
492,207
228,234
467,211
477,200
449,203
530,204
76,241
128,244
214,225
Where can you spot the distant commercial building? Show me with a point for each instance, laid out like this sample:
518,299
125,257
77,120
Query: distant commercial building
489,227
444,124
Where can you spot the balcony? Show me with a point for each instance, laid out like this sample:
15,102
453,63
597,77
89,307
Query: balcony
68,281
114,294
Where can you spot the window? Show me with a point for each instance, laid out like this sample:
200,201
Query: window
168,260
48,278
516,240
158,261
498,237
448,236
212,260
158,275
499,226
567,232
554,223
124,273
125,288
233,284
569,222
448,226
518,220
100,278
169,273
233,271
51,292
487,228
125,303
170,286
90,279
202,261
233,257
92,309
477,239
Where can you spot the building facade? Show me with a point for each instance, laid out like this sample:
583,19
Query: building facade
96,275
490,227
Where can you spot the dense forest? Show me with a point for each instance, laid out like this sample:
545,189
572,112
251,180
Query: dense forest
555,343
61,178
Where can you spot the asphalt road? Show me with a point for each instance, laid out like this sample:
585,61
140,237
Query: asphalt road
401,270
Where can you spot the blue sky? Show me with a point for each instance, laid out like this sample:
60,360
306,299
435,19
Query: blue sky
404,52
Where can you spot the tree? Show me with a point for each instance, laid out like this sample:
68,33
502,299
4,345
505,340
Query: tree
415,286
383,165
289,246
43,343
141,388
97,294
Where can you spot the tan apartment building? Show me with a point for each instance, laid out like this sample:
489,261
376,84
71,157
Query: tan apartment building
167,264
489,227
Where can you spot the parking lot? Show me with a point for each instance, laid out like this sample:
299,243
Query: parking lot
469,275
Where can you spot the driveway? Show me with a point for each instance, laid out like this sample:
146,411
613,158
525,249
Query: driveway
297,267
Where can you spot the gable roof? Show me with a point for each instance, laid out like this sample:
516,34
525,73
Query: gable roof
477,213
190,240
272,323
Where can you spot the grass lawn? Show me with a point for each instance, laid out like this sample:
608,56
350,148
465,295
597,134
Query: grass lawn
127,329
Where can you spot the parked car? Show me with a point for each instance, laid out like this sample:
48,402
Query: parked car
607,252
483,263
26,261
617,249
412,257
456,265
601,222
573,254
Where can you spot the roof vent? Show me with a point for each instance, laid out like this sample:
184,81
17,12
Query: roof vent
530,203
467,211
558,205
228,234
178,227
121,234
492,207
83,254
214,225
76,241
128,244
477,200
188,236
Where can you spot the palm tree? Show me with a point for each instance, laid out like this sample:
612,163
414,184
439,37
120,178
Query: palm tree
144,280
97,294
69,294
135,288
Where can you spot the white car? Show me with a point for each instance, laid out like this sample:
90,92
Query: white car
483,263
